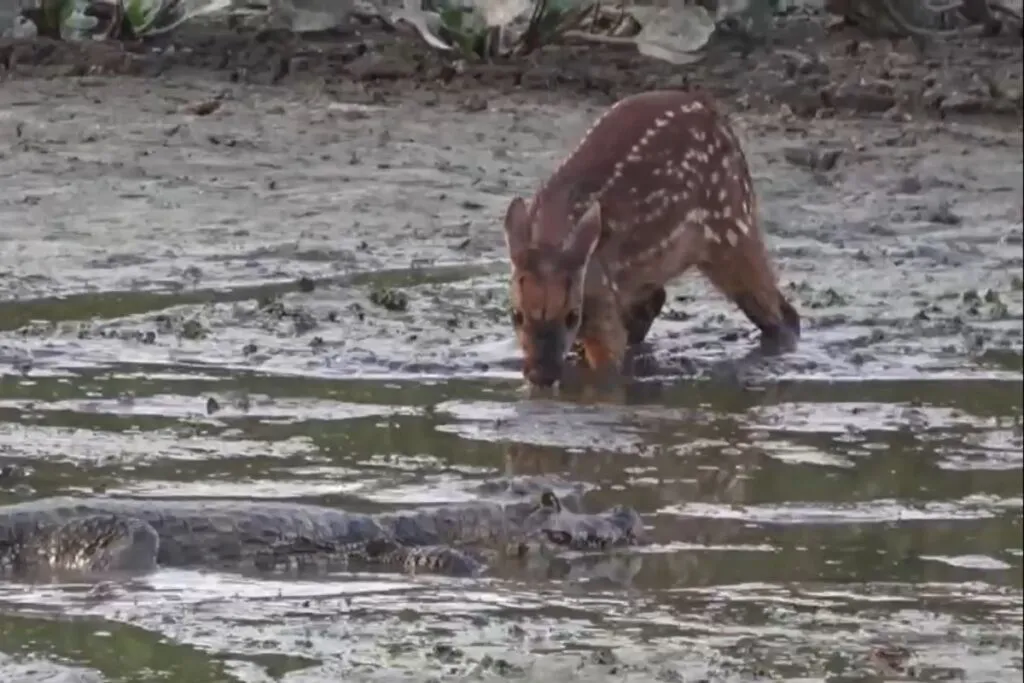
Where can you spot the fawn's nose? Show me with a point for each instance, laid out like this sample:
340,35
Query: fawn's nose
543,374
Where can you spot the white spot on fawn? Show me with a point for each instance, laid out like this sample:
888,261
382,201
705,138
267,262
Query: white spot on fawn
732,237
697,215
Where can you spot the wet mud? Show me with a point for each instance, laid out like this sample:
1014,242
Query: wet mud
260,267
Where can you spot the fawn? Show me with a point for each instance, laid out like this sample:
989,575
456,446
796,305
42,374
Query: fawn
658,184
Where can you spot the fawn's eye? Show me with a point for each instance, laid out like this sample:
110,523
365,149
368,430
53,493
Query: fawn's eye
571,318
517,318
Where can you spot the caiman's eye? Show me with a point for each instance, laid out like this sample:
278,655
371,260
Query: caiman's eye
558,537
571,319
517,318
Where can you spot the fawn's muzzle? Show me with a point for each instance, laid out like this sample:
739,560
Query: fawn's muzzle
546,356
543,375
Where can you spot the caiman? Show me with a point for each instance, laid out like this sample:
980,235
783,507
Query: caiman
99,535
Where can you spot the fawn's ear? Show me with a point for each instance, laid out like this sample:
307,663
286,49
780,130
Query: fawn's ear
586,236
517,229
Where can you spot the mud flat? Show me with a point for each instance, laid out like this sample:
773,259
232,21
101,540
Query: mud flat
308,233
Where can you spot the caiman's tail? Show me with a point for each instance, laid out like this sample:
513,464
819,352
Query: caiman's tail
87,545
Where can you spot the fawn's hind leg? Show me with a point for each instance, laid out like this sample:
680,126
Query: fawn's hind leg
741,269
642,314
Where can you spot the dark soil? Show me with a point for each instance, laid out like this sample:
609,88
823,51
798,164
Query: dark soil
807,67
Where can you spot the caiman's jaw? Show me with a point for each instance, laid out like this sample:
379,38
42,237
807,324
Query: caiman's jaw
615,527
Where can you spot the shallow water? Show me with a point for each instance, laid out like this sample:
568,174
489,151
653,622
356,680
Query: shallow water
781,542
863,492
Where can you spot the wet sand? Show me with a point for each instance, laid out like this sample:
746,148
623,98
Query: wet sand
322,256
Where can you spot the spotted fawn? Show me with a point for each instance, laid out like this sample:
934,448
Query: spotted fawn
657,185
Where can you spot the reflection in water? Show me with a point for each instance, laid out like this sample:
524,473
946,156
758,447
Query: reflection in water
794,530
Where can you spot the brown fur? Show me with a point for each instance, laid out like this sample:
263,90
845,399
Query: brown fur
645,197
745,275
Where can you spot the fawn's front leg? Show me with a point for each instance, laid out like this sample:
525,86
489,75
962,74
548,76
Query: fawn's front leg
643,313
603,335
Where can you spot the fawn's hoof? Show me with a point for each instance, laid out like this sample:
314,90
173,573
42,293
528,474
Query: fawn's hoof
779,341
784,336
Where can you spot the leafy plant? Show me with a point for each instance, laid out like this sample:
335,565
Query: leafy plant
114,19
467,31
485,29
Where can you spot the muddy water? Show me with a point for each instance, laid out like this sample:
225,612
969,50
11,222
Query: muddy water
300,298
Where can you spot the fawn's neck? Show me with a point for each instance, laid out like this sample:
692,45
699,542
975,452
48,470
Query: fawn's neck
598,283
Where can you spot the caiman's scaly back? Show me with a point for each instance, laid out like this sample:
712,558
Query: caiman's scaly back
657,185
97,536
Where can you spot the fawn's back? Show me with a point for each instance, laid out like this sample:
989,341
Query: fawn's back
657,163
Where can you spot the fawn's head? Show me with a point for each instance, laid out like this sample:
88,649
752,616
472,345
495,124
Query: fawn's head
549,256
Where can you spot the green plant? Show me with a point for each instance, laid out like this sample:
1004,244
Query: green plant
488,29
114,19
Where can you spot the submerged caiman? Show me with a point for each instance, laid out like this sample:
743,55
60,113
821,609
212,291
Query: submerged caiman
118,535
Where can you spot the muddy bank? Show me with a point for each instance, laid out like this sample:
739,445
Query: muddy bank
289,231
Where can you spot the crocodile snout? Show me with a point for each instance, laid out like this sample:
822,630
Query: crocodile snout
617,526
629,522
